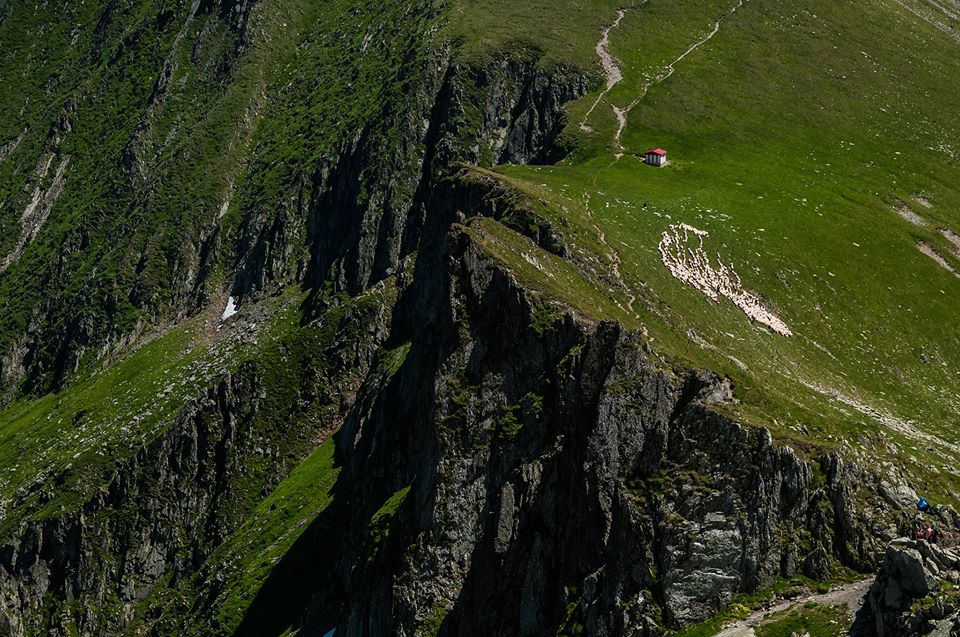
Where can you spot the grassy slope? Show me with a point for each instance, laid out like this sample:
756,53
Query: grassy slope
792,134
566,34
57,449
247,557
812,619
101,417
234,573
235,128
102,63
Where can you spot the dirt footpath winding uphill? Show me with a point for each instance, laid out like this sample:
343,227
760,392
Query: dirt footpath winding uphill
624,112
853,595
611,70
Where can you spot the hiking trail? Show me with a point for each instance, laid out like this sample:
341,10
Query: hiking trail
623,114
852,594
610,68
905,427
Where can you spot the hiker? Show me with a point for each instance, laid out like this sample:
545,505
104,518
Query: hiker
922,505
928,533
934,535
920,533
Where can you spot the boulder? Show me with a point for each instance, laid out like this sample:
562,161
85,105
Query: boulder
908,597
911,573
898,494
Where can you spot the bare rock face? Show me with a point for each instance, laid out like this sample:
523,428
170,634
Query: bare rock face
917,590
898,494
167,508
523,114
565,477
705,567
911,580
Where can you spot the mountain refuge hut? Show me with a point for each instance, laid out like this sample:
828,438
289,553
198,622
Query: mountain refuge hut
656,157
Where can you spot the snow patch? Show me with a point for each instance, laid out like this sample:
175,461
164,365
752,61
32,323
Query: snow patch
230,310
904,211
953,238
692,265
931,252
37,211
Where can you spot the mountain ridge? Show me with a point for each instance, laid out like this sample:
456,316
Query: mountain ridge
461,372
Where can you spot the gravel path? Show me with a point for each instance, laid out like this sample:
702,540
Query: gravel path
853,595
610,69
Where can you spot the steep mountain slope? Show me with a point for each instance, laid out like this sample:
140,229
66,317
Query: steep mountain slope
371,318
796,179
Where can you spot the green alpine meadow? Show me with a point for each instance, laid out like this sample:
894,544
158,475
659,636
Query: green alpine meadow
470,318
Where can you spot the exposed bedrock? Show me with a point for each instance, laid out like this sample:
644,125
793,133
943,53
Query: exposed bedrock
563,476
917,591
166,509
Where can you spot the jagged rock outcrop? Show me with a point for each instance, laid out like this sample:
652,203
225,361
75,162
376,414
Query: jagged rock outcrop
557,470
160,515
369,204
917,591
522,115
562,474
131,532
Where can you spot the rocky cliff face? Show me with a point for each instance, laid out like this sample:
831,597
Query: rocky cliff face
162,512
159,515
160,268
565,476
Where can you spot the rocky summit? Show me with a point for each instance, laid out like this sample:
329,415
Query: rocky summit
479,317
